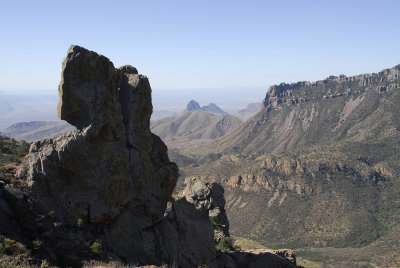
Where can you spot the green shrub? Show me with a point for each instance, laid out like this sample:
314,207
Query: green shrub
11,247
227,244
214,220
51,213
96,248
80,222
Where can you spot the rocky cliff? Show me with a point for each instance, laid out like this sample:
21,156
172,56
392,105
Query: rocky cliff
112,173
331,88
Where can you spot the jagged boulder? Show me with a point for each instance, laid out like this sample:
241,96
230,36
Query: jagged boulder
110,180
187,236
210,198
255,259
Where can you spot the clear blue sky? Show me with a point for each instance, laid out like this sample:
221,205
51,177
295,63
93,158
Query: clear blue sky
200,44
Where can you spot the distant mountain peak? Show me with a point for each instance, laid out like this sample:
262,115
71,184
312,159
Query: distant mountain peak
193,106
210,108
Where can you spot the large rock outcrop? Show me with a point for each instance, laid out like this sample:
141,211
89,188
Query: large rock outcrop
209,197
110,180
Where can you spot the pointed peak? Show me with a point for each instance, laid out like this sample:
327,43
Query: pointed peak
193,106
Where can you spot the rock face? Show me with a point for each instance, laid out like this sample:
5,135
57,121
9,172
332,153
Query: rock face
210,197
257,259
112,177
186,236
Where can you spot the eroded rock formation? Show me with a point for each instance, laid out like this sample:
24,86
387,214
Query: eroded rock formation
112,177
209,197
330,88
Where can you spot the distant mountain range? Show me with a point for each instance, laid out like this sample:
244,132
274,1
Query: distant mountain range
193,126
24,108
210,108
37,130
294,117
249,111
207,122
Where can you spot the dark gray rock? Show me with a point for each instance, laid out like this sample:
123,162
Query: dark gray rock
209,197
250,259
191,233
112,174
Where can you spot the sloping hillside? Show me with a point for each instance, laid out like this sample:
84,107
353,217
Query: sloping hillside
37,130
194,125
250,110
11,151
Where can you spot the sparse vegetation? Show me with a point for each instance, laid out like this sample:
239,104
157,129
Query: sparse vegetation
227,244
214,220
80,222
96,248
51,213
12,247
246,243
11,151
274,247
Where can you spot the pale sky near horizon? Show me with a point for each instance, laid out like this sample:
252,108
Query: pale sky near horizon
189,45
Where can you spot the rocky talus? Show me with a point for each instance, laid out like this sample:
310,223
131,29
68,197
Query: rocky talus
104,191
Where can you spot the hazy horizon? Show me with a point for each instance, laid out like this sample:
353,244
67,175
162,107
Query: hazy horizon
207,44
226,52
25,106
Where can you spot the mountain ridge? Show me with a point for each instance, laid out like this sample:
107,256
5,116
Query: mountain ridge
210,108
355,110
37,130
